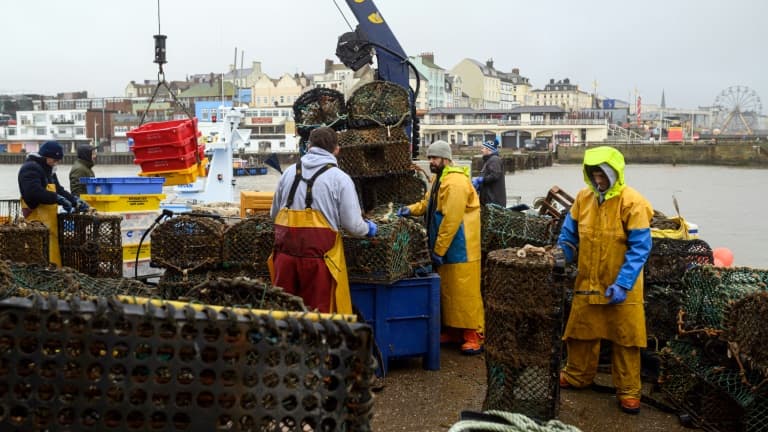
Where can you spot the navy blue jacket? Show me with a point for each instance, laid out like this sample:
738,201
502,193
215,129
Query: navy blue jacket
34,176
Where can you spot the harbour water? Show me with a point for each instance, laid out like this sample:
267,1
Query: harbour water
726,203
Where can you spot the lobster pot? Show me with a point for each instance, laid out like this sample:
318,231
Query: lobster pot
709,290
524,319
662,303
381,259
187,243
91,243
22,280
671,258
221,288
745,325
374,152
319,107
398,189
24,242
248,244
502,228
134,364
718,396
378,103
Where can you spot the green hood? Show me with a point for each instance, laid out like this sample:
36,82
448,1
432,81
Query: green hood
611,156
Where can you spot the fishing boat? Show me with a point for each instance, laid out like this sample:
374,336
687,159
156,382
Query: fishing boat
249,167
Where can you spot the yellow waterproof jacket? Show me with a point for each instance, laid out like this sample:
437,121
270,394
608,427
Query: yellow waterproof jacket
452,207
612,240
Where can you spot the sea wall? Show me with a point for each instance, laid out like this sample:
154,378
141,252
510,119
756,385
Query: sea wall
736,153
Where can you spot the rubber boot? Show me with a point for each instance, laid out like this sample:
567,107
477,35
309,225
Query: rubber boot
473,342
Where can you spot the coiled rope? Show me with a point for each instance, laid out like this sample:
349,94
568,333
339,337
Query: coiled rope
515,423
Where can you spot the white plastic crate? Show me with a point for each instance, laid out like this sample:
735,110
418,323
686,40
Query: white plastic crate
140,220
132,236
129,268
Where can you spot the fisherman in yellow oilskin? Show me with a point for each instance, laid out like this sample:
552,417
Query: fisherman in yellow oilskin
452,210
607,230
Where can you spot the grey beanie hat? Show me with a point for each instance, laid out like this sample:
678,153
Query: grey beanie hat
440,149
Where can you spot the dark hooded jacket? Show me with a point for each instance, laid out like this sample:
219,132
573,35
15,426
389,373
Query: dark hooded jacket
83,167
34,176
493,190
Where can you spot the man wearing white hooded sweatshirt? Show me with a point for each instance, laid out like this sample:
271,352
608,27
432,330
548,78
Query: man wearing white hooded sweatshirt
313,202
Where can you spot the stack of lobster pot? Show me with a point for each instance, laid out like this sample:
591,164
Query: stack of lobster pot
376,153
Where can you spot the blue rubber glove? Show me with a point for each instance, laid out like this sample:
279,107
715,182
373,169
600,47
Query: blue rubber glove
372,228
403,211
64,203
617,294
437,260
81,206
477,182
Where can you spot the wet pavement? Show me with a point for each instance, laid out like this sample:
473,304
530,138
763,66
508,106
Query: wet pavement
414,399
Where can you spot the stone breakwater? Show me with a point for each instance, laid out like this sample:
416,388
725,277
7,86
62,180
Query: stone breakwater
735,153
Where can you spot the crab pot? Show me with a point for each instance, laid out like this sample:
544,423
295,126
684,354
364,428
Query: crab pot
187,243
133,364
503,228
374,152
709,394
221,289
709,290
671,258
523,327
745,326
248,244
319,107
398,189
383,258
378,103
24,242
662,302
91,243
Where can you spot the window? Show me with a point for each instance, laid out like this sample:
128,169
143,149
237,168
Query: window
40,131
79,131
282,144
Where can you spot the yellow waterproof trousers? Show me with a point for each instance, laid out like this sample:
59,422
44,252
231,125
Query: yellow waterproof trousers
581,368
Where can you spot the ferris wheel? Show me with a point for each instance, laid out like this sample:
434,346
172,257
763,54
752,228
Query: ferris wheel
737,110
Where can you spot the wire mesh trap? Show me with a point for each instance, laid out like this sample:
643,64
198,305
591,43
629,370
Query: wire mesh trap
248,244
374,152
502,228
24,242
717,396
398,189
384,258
671,258
319,107
710,290
378,103
21,280
147,366
524,318
746,331
91,243
187,243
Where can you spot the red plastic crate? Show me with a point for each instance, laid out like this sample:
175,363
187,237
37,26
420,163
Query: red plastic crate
168,164
172,131
168,150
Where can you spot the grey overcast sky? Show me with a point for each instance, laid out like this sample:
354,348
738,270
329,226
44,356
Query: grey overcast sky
691,49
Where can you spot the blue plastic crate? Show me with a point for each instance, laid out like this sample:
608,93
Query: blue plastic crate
123,185
405,317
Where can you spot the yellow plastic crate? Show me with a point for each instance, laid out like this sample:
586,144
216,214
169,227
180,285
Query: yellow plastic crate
180,177
124,203
252,202
129,252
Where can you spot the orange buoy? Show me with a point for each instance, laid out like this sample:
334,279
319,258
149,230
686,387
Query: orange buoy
723,257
